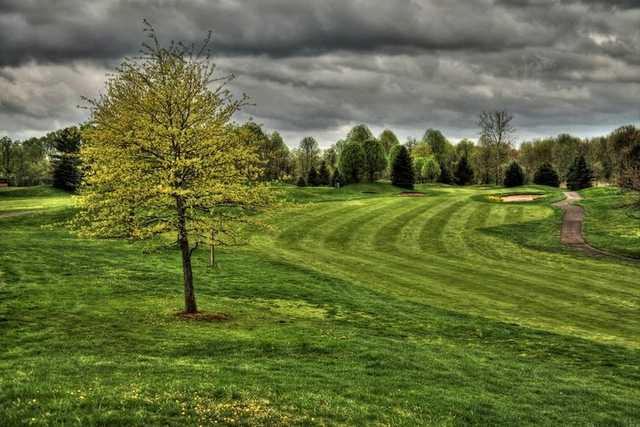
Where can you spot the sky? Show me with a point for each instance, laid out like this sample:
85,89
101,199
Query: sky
318,67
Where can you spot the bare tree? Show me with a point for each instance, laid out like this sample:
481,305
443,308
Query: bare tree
497,133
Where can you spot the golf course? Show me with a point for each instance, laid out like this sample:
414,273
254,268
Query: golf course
352,306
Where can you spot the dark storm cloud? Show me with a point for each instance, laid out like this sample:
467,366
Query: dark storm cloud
317,67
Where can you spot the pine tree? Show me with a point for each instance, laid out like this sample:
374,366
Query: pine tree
402,174
463,173
514,175
580,175
324,178
546,175
445,176
313,179
66,160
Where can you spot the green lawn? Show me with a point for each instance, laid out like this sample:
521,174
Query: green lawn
358,307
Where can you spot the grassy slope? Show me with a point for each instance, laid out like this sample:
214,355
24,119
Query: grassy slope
612,222
360,309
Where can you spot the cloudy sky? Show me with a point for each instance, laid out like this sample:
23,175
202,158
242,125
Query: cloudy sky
317,67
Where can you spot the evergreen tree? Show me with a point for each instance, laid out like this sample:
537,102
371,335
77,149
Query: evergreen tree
324,178
580,175
463,173
402,174
546,175
445,176
66,160
313,179
514,175
301,182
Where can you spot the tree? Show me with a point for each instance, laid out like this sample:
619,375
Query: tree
546,175
463,174
402,174
445,175
309,154
301,182
66,161
359,134
437,143
313,178
161,154
7,154
431,170
565,150
393,153
496,134
624,142
418,167
330,158
375,160
580,175
324,177
337,180
388,140
352,162
514,175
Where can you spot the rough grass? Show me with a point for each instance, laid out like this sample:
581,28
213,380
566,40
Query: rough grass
356,308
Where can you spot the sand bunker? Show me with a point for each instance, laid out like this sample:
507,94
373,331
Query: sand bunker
520,198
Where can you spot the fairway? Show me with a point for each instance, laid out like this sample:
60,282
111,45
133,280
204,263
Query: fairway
356,306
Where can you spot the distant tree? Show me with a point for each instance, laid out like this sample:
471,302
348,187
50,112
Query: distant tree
465,148
438,144
624,144
278,164
374,159
546,175
496,135
309,153
389,140
566,149
392,154
162,157
463,174
359,134
337,180
431,170
301,182
313,178
324,177
352,162
514,175
418,167
402,174
7,154
580,175
66,164
411,144
421,149
330,157
445,175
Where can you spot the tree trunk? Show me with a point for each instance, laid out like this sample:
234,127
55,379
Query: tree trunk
183,240
212,250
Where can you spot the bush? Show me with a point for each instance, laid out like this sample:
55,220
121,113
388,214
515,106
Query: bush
580,175
546,175
402,174
514,175
301,182
463,174
313,179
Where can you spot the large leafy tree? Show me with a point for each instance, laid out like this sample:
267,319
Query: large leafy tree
309,153
352,162
402,174
430,170
438,144
374,159
389,140
67,172
162,157
359,134
496,137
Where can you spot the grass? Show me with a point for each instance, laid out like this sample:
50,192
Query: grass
612,220
359,307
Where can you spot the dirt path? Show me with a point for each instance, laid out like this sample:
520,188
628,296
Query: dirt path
572,224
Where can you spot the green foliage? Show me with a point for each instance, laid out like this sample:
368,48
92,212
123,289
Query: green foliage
324,177
463,174
301,182
546,175
375,160
580,175
313,179
418,167
309,154
624,142
438,144
445,176
66,162
388,140
514,175
337,180
352,162
359,134
402,173
431,170
393,153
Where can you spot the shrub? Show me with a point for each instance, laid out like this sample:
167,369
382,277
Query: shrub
546,175
301,182
402,174
514,175
580,175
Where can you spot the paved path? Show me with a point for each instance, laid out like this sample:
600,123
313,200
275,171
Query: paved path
572,224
